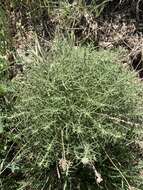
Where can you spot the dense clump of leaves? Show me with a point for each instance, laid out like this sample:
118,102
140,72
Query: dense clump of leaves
76,116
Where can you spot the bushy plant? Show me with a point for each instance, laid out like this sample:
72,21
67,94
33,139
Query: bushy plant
75,122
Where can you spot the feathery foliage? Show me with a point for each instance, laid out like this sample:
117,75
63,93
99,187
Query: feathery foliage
76,116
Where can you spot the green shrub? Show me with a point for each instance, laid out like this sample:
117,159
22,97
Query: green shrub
75,122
